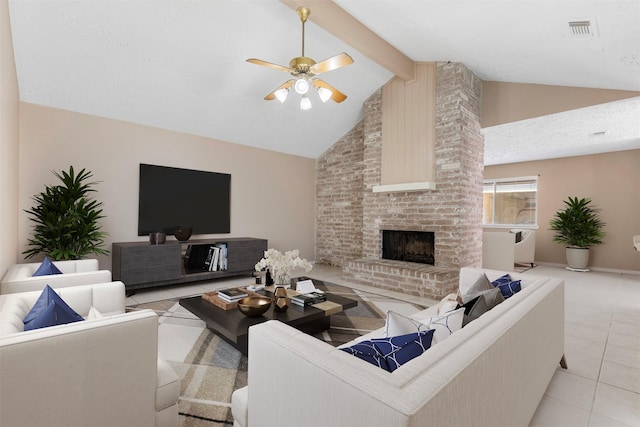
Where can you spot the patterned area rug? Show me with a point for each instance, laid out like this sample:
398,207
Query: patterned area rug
210,369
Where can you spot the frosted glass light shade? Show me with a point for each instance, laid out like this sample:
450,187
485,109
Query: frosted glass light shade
301,86
281,95
325,94
305,103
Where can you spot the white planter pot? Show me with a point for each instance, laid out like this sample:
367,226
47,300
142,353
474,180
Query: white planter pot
577,258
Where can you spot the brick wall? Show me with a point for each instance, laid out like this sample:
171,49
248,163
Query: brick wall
351,217
339,195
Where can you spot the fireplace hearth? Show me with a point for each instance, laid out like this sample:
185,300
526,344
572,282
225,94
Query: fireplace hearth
409,246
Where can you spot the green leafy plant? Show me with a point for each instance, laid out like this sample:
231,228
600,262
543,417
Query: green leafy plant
66,219
578,224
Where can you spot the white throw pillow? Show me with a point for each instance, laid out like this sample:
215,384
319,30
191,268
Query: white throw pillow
397,324
444,324
94,313
448,303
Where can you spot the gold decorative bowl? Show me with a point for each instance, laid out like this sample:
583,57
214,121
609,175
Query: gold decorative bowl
254,306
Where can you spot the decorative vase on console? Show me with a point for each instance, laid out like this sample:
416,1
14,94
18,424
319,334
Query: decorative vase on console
183,233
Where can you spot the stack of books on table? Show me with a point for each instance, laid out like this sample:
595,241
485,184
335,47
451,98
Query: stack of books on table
309,298
232,294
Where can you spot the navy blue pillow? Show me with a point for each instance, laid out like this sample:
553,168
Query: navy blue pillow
49,310
507,286
501,280
393,352
47,268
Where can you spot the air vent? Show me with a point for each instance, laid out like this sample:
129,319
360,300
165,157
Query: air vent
583,28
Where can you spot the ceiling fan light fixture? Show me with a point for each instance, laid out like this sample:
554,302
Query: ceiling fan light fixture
305,103
301,86
281,95
324,93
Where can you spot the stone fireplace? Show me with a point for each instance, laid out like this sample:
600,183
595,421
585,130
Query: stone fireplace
351,216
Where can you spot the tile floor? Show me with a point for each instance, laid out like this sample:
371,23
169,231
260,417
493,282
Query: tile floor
601,388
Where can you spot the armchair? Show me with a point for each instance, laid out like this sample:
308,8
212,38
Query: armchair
19,277
98,372
525,249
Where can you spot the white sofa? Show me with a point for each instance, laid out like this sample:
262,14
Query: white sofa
98,372
493,372
19,277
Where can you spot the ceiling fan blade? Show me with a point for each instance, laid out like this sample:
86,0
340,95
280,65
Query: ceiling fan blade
336,95
269,64
285,85
332,63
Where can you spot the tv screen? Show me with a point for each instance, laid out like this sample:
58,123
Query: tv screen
171,197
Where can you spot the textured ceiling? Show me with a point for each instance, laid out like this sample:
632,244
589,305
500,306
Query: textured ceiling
180,65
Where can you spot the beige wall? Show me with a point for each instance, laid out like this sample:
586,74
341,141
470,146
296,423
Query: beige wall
272,194
611,180
504,102
9,143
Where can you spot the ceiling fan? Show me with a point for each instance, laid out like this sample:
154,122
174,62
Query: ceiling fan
303,69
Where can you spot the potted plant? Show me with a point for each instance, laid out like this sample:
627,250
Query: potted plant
66,219
578,227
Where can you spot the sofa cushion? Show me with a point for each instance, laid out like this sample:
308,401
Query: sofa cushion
449,303
477,284
49,310
444,324
168,385
507,285
480,304
391,353
94,313
398,324
46,268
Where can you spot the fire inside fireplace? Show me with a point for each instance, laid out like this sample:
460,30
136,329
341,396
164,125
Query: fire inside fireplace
409,246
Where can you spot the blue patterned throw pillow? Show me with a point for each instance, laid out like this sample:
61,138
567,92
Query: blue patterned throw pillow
47,268
393,352
49,310
507,286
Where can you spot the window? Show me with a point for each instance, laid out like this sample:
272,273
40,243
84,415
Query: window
510,202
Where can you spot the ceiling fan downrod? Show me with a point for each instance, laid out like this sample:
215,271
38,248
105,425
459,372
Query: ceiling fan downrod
303,13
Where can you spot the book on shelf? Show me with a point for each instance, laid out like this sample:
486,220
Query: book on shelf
208,260
232,294
309,298
215,258
222,259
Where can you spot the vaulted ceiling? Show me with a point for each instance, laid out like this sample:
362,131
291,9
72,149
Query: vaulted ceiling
181,65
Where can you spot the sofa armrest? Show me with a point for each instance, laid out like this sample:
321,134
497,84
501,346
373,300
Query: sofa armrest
104,369
55,281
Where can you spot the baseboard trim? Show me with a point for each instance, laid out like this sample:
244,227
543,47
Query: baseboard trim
602,269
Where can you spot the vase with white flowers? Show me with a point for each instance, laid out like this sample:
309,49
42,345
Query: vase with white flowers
281,265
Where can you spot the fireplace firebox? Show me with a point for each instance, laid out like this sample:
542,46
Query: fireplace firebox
409,246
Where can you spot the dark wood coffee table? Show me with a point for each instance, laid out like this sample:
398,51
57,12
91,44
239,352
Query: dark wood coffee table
233,326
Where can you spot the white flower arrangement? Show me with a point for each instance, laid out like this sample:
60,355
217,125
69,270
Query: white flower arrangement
281,264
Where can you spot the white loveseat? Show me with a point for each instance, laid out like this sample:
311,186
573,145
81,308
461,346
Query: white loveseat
19,277
493,372
99,372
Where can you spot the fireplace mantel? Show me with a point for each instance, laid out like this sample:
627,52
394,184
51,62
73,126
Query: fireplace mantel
410,186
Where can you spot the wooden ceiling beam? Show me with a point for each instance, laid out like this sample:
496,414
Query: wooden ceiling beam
334,19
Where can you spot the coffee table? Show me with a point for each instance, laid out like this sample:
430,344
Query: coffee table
233,326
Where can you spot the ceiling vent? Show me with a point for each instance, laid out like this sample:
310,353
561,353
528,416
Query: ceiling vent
583,28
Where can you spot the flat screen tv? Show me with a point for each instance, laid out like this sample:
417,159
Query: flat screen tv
171,197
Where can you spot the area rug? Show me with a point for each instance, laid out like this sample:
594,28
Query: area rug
210,369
